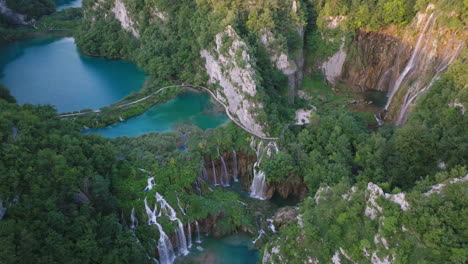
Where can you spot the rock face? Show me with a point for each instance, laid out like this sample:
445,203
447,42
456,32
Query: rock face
14,17
405,62
333,67
121,14
232,70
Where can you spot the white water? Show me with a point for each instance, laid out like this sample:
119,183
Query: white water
271,225
166,252
260,234
409,100
180,233
197,227
225,173
189,235
180,207
150,185
214,174
235,172
411,63
259,186
134,220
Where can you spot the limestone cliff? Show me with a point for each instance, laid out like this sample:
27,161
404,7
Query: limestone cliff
404,61
232,70
121,14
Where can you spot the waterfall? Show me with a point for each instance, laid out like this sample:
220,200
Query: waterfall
411,63
409,100
189,235
379,120
260,234
225,173
214,173
271,225
180,233
197,227
204,173
180,207
259,186
150,185
134,220
166,252
235,165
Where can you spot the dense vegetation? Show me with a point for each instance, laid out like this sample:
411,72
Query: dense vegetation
338,150
32,8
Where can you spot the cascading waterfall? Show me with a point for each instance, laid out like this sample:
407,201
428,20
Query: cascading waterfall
133,219
150,185
197,227
166,252
214,173
235,172
180,233
411,62
259,186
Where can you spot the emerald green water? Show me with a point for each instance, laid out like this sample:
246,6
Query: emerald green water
52,71
234,249
190,108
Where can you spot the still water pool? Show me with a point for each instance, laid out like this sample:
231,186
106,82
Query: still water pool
190,108
52,71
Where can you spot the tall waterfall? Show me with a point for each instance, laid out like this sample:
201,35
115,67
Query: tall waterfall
197,227
180,233
133,219
225,173
204,173
166,252
235,172
189,235
410,98
215,181
415,56
259,186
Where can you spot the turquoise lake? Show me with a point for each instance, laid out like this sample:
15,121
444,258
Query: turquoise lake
234,249
63,4
190,108
52,71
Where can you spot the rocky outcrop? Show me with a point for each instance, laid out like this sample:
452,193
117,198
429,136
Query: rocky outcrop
121,14
333,67
231,69
13,16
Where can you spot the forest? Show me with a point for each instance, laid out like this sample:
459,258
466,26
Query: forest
66,197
